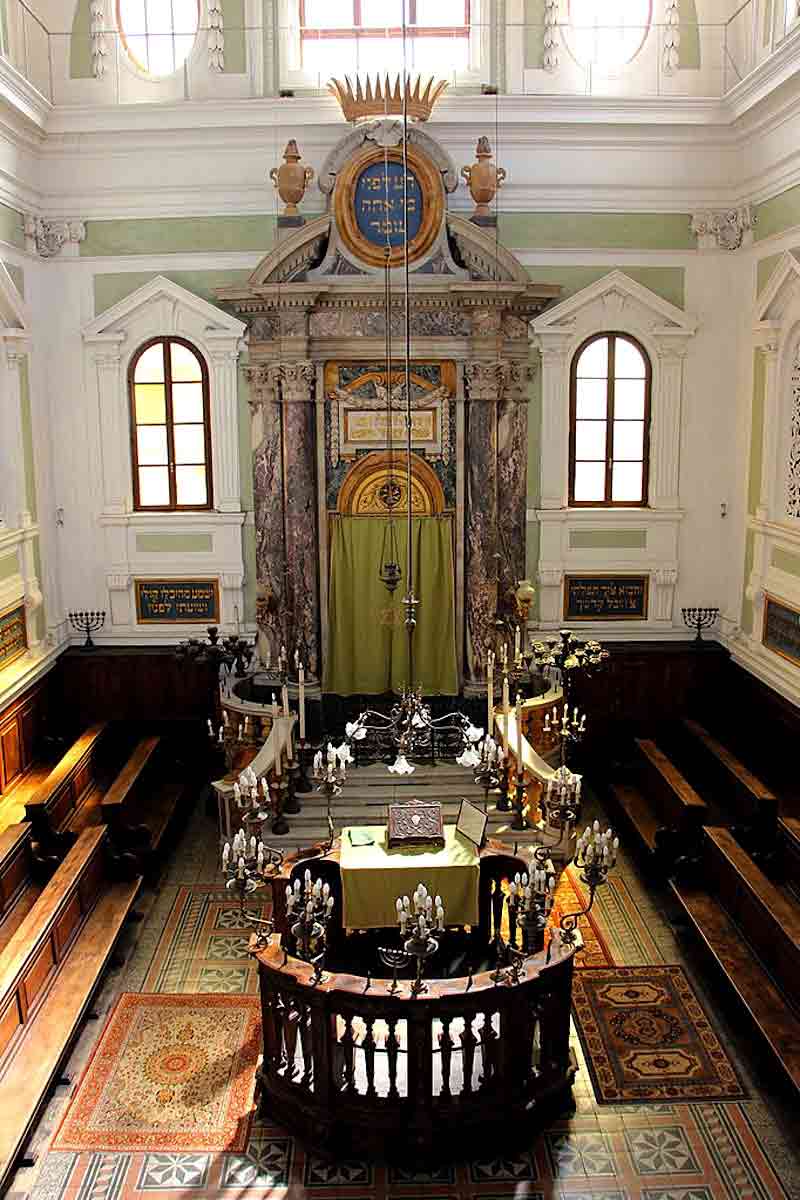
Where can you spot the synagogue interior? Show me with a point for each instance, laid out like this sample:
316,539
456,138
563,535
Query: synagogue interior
399,599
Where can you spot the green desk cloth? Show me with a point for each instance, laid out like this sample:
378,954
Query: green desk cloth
374,876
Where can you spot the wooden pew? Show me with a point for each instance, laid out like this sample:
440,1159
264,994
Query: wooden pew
752,931
141,802
49,971
68,799
661,807
789,851
22,877
742,800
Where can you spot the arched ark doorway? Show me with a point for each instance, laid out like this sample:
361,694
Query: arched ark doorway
368,651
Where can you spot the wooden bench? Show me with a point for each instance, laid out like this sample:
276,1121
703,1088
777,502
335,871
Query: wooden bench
23,875
661,807
789,851
141,802
740,798
752,930
68,799
49,971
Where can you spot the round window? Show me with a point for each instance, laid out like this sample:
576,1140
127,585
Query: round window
158,34
607,34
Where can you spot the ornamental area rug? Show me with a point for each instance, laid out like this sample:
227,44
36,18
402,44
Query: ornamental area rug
647,1037
569,898
169,1073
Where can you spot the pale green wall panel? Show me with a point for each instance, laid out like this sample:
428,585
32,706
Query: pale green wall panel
764,269
174,543
233,28
689,49
179,235
249,557
533,33
17,277
111,288
12,228
785,561
596,231
532,539
39,616
27,436
756,433
747,603
666,282
608,539
9,565
80,46
777,214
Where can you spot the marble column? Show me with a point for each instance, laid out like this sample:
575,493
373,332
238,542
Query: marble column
297,380
484,380
512,472
267,447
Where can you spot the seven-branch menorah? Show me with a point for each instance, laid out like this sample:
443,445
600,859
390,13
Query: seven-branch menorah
699,618
87,621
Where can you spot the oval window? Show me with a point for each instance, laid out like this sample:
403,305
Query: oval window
158,34
607,34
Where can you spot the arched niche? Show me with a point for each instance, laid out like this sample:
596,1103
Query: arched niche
377,486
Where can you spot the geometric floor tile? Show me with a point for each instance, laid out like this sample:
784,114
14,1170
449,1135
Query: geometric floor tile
104,1177
495,1170
162,1172
54,1176
266,1164
692,1193
574,1155
328,1173
227,980
663,1151
407,1175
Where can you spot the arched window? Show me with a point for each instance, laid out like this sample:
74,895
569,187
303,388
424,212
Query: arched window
366,35
170,431
607,33
158,34
610,385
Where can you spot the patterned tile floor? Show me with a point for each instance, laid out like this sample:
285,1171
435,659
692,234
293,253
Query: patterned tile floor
190,941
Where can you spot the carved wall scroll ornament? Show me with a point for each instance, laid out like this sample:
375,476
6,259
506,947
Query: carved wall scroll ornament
216,36
342,401
793,464
550,58
48,238
97,33
670,55
483,179
724,230
291,178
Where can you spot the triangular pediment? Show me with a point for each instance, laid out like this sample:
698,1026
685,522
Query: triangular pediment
175,300
14,312
612,297
779,290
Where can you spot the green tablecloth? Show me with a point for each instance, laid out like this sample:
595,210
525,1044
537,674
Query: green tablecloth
374,876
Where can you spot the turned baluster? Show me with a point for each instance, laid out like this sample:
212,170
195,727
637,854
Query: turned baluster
305,1048
468,1044
489,1050
279,1012
446,1047
272,1039
497,907
392,1051
368,1046
348,1043
290,1031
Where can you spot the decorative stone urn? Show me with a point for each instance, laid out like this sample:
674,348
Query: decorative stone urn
483,179
291,179
524,595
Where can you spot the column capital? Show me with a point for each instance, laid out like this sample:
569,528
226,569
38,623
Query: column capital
297,381
486,378
262,380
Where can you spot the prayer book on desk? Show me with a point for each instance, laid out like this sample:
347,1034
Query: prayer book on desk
415,825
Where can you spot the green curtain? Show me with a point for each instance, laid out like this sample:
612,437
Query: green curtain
367,650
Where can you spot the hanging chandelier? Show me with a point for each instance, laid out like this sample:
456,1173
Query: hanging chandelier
409,729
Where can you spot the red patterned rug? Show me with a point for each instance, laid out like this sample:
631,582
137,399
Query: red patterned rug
569,898
646,1036
169,1073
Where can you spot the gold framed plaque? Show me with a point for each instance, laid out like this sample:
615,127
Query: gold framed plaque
177,601
606,597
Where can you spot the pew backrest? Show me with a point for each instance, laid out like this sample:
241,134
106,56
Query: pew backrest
672,796
63,791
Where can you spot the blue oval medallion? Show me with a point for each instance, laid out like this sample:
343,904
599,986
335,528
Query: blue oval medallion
379,204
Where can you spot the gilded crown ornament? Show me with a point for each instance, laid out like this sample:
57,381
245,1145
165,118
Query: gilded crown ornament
291,178
483,179
383,98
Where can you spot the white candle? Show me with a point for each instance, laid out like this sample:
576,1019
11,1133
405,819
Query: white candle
278,756
519,733
301,676
274,706
285,698
490,693
516,644
505,714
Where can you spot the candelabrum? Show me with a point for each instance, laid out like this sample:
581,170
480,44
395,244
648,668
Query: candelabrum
530,901
567,657
595,857
311,906
88,622
566,730
248,865
231,655
699,618
489,768
417,928
330,772
410,729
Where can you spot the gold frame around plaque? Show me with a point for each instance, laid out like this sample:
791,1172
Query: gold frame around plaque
782,603
140,620
17,606
613,578
430,182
